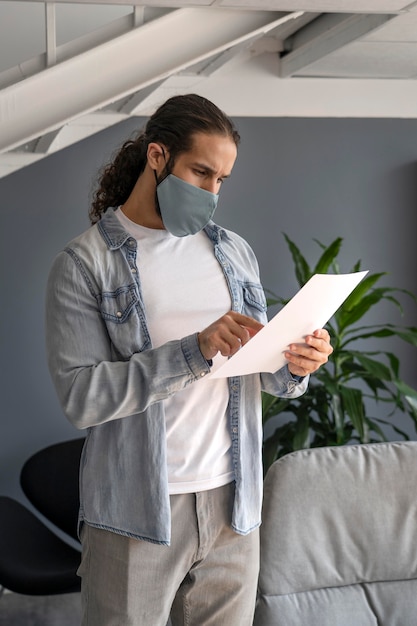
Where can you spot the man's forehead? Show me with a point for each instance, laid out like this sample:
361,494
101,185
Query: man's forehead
214,152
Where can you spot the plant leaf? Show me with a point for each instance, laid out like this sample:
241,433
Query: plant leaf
328,256
376,428
408,392
302,435
407,334
353,404
302,269
350,316
373,367
360,290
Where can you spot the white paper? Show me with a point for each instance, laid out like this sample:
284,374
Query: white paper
310,309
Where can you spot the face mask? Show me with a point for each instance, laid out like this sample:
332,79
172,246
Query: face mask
185,208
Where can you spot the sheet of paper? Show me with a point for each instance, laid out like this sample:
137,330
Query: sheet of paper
310,309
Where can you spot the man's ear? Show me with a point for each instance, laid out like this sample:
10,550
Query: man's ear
157,156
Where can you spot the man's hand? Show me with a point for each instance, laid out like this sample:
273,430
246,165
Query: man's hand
227,334
306,358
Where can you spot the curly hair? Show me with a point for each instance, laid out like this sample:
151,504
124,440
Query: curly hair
173,124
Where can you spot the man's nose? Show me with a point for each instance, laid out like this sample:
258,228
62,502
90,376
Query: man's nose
212,185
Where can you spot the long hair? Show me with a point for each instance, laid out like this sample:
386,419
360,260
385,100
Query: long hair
173,124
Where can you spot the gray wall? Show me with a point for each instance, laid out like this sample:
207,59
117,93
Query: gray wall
309,178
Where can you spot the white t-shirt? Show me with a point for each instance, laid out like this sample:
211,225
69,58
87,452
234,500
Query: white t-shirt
184,291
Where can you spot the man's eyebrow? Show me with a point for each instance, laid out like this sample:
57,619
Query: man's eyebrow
204,166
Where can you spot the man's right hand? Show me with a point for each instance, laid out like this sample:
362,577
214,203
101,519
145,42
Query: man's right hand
227,334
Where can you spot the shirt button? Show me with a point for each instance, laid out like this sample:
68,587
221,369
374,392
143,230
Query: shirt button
119,314
203,374
234,430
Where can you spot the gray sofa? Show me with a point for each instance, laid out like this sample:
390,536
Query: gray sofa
339,538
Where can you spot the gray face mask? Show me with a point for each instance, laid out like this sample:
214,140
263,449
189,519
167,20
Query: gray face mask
185,208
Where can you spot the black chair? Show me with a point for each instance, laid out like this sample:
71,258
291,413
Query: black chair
34,560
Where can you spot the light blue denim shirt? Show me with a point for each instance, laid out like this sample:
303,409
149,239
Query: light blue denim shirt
112,382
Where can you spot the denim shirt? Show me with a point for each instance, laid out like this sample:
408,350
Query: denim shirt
112,382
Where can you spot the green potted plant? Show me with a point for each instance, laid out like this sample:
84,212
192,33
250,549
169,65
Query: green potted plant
334,409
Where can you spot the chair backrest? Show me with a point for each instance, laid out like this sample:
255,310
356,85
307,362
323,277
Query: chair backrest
339,538
50,480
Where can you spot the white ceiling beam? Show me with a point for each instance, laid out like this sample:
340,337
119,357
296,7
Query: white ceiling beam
50,22
131,104
251,93
150,3
252,90
138,16
114,2
46,142
214,63
336,6
13,161
177,83
79,129
66,51
83,127
325,35
43,102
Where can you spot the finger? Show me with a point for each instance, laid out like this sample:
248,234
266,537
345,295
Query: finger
322,333
238,327
300,366
248,322
309,355
321,345
252,332
229,347
227,334
307,358
231,338
228,329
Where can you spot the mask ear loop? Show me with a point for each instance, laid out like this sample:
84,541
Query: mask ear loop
158,181
163,176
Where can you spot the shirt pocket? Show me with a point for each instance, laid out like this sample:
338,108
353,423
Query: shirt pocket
254,301
125,320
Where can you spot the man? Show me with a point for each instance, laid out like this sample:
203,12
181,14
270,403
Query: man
140,308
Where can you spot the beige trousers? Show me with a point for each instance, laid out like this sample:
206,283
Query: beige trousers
207,577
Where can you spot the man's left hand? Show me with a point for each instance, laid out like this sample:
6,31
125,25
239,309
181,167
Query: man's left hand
306,358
